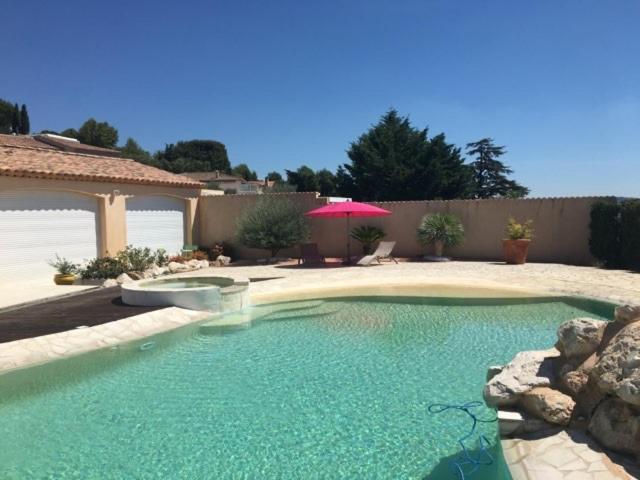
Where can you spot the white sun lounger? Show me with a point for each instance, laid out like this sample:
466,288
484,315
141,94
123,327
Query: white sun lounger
383,252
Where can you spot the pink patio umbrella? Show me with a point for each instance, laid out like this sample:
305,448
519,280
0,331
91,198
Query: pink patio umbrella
348,210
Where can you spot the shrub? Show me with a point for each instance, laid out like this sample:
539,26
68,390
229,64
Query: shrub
161,257
604,238
519,231
221,248
200,255
102,267
63,266
441,230
136,259
272,224
367,235
178,259
630,234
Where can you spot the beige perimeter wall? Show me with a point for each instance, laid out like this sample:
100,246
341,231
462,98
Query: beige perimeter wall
561,226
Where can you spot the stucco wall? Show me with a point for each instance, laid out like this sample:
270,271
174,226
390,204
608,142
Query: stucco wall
561,225
111,198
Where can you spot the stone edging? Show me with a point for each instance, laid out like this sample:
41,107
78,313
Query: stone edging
30,352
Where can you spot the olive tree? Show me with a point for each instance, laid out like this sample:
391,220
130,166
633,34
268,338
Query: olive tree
274,223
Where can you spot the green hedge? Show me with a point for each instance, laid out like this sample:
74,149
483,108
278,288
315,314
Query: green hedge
604,241
630,234
615,234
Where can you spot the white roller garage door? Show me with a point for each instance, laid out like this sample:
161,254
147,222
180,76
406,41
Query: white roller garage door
37,225
156,222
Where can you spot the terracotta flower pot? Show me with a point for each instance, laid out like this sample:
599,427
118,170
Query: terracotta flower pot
61,279
515,251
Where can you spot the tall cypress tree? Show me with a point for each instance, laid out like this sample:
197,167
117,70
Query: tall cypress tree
393,160
15,120
490,174
25,125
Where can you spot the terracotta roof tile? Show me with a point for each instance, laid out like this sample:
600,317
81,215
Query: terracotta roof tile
212,177
22,141
74,146
20,161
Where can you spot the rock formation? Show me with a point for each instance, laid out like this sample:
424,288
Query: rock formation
590,380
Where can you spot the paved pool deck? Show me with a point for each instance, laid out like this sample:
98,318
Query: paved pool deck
618,286
87,309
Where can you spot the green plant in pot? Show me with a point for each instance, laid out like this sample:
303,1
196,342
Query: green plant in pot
516,245
368,236
440,230
66,271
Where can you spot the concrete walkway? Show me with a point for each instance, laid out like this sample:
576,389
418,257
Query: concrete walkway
565,455
13,294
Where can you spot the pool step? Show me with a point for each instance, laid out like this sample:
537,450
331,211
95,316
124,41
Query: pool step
243,320
299,315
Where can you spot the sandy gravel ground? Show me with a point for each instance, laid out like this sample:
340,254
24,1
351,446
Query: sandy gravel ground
613,285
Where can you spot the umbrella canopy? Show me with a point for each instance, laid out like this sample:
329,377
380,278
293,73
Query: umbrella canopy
348,210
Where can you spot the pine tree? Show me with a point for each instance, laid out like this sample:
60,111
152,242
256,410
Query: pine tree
25,124
15,120
490,174
393,160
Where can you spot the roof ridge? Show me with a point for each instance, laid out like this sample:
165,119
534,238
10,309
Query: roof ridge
64,152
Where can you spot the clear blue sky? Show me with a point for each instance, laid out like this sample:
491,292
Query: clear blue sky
283,83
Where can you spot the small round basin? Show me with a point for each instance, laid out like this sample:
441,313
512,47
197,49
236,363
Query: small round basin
214,294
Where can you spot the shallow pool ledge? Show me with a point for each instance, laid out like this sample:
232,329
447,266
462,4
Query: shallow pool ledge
30,352
442,287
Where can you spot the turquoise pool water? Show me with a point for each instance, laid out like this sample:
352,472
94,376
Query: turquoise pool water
318,389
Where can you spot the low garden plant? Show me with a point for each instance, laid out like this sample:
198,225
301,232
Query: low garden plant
368,236
102,267
131,259
519,231
440,230
136,259
63,266
200,255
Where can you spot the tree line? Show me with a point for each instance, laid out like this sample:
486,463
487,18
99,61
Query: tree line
14,119
393,160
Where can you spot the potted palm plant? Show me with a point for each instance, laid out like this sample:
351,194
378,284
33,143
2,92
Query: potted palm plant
367,235
66,271
440,230
516,245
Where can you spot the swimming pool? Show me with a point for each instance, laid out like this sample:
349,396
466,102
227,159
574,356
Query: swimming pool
315,389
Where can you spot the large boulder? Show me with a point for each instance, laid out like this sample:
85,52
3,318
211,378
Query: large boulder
526,371
616,425
223,260
549,404
618,370
580,337
136,275
123,278
156,271
175,267
627,314
574,382
110,282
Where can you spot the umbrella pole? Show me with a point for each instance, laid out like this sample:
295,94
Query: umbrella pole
348,262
